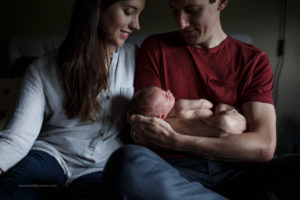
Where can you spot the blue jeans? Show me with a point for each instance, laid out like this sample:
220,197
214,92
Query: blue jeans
134,172
39,176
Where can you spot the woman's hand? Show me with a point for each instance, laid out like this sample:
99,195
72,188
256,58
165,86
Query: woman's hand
151,131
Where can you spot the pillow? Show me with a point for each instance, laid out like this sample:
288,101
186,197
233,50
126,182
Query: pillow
9,88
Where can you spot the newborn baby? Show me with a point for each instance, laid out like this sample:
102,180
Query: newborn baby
156,102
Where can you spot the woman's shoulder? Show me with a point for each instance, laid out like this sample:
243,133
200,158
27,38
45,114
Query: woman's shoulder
45,63
128,52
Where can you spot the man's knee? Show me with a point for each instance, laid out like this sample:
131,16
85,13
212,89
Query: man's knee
121,170
128,154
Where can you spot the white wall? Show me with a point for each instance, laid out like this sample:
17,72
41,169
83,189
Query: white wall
288,108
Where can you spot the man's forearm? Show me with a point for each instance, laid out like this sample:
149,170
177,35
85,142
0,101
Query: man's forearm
234,148
258,144
194,127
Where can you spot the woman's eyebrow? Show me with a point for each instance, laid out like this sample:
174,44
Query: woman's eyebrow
131,6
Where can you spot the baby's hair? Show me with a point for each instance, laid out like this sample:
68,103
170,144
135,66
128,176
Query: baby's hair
137,104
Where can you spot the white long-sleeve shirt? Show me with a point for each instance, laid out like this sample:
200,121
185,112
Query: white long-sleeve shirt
39,122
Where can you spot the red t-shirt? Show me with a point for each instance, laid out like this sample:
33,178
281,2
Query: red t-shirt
233,72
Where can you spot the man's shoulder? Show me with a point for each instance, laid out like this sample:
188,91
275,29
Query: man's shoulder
243,46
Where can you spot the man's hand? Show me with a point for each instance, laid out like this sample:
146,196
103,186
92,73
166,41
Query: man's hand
151,131
158,133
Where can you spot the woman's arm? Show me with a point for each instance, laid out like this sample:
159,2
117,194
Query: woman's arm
257,144
22,129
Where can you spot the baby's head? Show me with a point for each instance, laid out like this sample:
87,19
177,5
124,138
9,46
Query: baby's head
152,101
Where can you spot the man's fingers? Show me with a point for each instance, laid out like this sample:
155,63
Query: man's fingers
136,118
142,119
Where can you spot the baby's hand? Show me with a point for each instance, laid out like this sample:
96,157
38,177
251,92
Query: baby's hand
229,119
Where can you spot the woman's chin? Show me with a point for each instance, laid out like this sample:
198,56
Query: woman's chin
120,43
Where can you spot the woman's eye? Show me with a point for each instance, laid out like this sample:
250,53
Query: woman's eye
128,11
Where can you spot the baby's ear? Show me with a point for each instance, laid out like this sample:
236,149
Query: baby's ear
162,116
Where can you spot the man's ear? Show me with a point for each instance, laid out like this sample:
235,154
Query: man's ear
222,4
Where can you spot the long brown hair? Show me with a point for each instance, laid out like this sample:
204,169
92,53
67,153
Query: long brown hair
83,61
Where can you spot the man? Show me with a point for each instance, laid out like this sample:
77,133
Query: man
202,61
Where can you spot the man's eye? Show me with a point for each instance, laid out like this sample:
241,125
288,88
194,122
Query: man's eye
192,10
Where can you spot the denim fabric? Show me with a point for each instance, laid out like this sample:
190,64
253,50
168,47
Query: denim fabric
87,187
276,179
135,172
37,176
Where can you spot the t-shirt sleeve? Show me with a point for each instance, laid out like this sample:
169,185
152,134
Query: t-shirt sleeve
148,69
260,81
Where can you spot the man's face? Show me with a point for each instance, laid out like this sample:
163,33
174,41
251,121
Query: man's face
198,20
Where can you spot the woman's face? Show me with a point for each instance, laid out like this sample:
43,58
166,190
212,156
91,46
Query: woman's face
121,19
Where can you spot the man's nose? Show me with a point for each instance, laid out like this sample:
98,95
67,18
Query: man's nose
183,21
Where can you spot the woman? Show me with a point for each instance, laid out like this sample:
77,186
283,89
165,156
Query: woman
71,106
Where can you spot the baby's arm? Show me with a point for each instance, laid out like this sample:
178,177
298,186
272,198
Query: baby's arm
193,107
228,119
